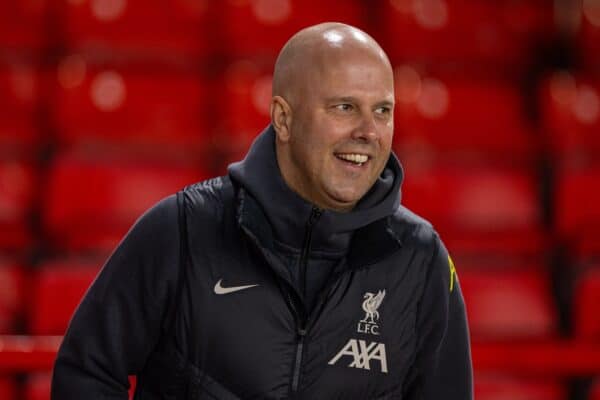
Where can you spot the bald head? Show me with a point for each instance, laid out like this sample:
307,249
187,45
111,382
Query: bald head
332,112
313,49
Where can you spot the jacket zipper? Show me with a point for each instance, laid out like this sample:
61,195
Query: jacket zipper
315,214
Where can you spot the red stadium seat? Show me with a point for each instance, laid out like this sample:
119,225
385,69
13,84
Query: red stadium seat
488,208
503,387
570,108
12,295
90,203
22,24
19,94
261,27
138,28
246,88
460,119
490,33
508,303
17,194
37,386
576,199
595,391
587,299
57,289
589,34
8,389
141,112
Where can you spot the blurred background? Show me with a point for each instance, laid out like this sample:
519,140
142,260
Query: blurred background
106,106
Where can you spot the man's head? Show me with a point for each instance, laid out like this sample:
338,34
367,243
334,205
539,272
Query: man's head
332,109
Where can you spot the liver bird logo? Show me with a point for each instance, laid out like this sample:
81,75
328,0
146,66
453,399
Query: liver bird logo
370,306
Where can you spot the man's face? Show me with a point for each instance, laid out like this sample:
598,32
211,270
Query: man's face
341,131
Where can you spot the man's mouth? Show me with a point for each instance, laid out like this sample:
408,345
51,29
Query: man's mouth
354,158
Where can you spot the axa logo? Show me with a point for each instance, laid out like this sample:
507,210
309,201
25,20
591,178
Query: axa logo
370,306
361,354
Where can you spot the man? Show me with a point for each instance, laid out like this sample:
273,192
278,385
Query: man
298,275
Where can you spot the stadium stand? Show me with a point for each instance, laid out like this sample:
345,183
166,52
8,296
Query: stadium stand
509,302
57,288
156,114
495,387
22,25
260,28
570,106
577,195
589,35
8,388
17,195
134,30
12,290
587,299
91,203
107,106
493,34
19,95
245,86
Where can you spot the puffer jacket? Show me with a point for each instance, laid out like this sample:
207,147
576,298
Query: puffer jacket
236,288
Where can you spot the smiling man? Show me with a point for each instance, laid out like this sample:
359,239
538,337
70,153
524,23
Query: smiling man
298,275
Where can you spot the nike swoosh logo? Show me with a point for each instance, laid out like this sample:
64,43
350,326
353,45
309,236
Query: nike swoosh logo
225,290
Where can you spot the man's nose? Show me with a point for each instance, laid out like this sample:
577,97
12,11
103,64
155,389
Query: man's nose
367,130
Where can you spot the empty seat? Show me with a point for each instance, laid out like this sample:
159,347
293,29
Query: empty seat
595,390
509,302
22,24
245,86
461,119
90,203
506,387
37,386
485,33
261,27
12,295
17,194
589,34
479,201
56,290
576,199
19,95
142,112
138,28
586,301
570,106
8,388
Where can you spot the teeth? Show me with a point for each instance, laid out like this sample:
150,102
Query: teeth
355,158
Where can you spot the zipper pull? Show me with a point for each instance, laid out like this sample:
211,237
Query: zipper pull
314,215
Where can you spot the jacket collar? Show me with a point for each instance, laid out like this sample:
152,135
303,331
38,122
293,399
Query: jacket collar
269,210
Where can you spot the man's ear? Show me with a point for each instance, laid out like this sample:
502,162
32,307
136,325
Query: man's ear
281,118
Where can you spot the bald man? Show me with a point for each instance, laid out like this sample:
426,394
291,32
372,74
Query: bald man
298,275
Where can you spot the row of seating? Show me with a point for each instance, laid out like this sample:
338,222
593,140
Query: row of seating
500,33
84,199
503,387
508,301
437,117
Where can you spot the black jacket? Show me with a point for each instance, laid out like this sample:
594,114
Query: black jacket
237,288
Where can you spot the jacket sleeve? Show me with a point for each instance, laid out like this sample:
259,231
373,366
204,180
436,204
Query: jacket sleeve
119,320
442,368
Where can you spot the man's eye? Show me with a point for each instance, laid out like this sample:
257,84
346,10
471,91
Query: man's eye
344,107
383,110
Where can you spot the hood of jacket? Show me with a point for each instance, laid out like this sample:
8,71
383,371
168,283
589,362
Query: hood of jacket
287,213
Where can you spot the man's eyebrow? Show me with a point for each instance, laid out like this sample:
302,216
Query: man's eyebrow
351,99
341,99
